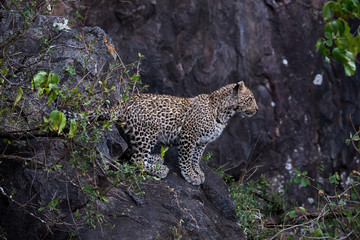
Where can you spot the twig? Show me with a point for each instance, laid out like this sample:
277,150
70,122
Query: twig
21,159
248,162
356,133
23,208
298,225
11,83
72,217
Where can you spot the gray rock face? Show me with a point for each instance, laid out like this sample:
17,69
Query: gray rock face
194,47
170,208
166,209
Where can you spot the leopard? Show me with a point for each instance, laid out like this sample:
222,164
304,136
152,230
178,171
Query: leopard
188,123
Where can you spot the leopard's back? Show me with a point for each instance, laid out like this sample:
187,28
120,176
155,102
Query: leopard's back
158,115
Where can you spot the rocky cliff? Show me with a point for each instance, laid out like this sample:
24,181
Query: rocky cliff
194,47
58,183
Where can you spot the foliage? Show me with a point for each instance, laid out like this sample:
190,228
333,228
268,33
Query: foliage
33,102
340,42
354,138
176,230
301,177
206,157
255,203
47,83
264,213
163,150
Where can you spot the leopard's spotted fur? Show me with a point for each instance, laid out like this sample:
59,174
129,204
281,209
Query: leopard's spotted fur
190,123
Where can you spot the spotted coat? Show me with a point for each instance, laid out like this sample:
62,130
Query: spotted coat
190,123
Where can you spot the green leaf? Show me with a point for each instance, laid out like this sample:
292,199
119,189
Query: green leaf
302,209
329,42
53,86
327,35
62,122
73,128
57,120
353,197
135,77
47,90
163,151
51,97
53,78
318,232
339,55
337,27
40,78
318,44
334,178
156,178
337,176
18,96
292,214
297,179
77,213
4,112
4,71
327,11
105,199
41,209
45,120
304,182
346,32
350,68
40,92
347,141
291,237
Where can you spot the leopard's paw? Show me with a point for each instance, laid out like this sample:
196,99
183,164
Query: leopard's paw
200,174
193,178
161,171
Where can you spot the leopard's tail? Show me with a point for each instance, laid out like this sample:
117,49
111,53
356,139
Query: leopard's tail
101,113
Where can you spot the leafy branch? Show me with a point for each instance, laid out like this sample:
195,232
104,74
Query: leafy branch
33,102
339,41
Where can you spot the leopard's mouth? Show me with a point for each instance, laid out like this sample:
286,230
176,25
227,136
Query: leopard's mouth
250,113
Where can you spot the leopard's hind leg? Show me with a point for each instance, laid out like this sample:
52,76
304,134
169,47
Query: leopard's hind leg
152,163
156,165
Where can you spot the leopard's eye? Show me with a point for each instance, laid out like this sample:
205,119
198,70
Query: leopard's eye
250,99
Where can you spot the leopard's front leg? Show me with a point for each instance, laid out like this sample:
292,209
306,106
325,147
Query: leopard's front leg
195,161
186,153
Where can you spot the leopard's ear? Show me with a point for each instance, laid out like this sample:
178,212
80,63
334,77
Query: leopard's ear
238,87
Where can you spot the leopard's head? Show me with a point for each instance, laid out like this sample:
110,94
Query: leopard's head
244,101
